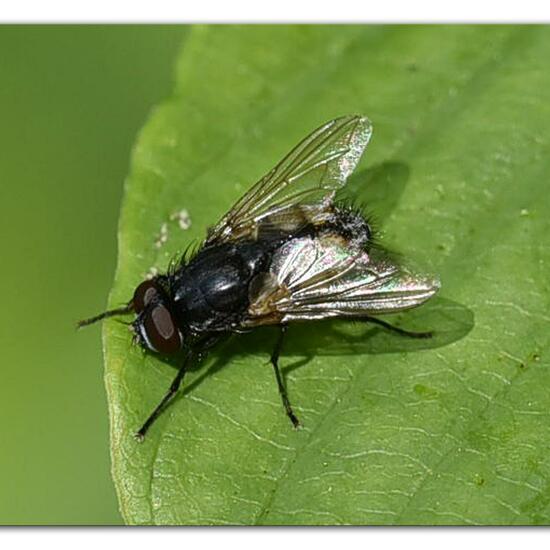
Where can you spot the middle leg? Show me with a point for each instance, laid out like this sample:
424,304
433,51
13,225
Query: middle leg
280,383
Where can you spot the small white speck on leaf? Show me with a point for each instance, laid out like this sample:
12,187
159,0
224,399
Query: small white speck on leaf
163,236
183,218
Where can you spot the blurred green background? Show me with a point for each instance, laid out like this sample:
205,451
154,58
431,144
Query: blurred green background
71,102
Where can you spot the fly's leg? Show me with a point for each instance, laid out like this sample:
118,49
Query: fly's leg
196,353
280,383
129,307
397,330
174,387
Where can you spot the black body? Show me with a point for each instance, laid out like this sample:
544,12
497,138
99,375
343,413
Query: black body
211,292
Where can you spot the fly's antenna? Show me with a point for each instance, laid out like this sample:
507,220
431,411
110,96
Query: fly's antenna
118,311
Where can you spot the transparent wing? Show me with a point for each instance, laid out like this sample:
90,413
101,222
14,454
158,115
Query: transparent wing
302,186
320,277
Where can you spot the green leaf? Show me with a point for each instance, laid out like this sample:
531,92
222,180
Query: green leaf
454,430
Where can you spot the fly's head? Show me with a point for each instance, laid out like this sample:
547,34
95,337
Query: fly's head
155,326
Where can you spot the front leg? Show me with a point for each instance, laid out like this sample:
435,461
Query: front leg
280,383
195,353
174,387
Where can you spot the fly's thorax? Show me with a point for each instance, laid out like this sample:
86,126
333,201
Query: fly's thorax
211,292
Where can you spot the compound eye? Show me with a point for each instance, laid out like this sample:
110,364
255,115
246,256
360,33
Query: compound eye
162,333
144,294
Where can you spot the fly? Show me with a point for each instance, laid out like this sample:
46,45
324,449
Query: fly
285,252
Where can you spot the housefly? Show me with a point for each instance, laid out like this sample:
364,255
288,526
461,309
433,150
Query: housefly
285,252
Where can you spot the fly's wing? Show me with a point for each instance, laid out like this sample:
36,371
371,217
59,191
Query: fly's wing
319,277
302,186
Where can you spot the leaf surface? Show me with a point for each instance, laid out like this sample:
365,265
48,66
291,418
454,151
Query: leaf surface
449,431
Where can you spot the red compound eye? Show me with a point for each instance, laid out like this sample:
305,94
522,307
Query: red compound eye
162,334
144,294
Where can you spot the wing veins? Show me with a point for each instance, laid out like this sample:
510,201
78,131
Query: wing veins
282,180
315,167
302,157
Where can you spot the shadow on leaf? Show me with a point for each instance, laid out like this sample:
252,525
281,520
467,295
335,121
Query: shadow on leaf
448,320
378,189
